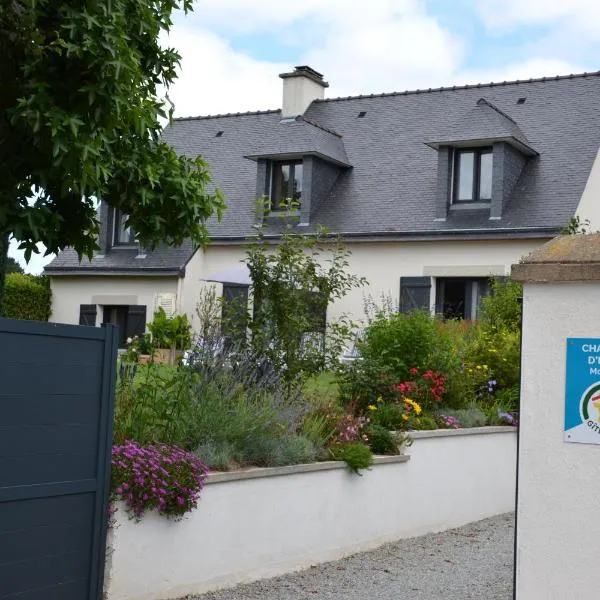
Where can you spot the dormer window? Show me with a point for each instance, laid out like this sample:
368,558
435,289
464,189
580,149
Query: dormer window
473,175
122,235
286,184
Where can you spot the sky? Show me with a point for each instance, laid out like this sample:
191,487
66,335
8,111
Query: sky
233,50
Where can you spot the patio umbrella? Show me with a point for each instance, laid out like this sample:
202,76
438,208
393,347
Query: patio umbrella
234,276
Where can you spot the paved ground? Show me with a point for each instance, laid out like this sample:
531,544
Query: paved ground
473,562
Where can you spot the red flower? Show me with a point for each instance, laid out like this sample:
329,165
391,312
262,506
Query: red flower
414,371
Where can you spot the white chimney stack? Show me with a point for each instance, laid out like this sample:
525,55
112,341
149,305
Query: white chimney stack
300,88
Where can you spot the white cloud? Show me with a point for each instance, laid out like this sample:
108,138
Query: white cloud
531,68
584,14
215,78
392,45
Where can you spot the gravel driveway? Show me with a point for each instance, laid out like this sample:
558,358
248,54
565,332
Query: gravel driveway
473,562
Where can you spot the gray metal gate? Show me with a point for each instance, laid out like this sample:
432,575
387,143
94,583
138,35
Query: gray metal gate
56,408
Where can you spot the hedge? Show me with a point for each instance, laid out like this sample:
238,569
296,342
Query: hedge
27,297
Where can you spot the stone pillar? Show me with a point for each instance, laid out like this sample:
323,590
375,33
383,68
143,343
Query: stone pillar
558,533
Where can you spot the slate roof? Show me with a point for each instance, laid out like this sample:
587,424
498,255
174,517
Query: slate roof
484,122
164,261
299,136
390,189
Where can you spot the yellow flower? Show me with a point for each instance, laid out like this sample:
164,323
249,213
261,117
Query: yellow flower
415,405
405,417
379,400
372,407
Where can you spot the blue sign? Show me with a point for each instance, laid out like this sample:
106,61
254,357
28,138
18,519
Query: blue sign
582,394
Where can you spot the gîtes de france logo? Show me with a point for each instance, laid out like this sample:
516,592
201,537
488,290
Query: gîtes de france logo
589,410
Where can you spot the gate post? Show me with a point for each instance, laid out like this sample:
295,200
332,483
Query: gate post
558,533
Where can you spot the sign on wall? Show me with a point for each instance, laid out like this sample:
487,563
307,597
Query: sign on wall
582,394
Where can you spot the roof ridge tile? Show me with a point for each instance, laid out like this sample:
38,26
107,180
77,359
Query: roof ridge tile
467,86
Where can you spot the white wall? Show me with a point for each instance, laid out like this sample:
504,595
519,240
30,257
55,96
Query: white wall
558,532
69,292
190,286
248,529
383,263
589,204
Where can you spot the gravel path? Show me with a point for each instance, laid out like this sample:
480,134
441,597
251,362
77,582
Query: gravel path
473,562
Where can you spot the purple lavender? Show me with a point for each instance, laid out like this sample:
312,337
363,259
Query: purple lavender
159,476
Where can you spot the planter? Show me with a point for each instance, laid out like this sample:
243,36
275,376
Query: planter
162,356
144,359
167,356
261,523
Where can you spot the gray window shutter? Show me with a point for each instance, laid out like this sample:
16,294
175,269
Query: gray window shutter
87,314
136,320
414,293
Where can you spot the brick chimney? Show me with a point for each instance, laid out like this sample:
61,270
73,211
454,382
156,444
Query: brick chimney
300,88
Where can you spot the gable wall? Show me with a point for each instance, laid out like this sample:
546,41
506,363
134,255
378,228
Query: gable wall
384,263
69,292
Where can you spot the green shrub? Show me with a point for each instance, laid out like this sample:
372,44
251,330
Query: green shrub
168,332
499,352
27,297
426,423
508,399
389,416
502,308
276,450
393,344
356,455
401,341
154,404
382,441
468,417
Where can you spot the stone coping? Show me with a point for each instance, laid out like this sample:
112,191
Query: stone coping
440,433
566,258
259,472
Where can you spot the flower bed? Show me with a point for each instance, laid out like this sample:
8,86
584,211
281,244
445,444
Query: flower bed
263,522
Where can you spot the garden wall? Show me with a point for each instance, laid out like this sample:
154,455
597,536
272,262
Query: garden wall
265,522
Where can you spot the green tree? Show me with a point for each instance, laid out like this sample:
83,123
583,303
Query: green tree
80,119
293,281
12,266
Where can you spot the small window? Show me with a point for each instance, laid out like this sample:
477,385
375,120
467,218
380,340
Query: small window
286,184
460,298
473,175
122,235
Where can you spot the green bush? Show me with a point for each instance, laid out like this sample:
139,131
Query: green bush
389,416
393,344
472,416
170,332
356,455
382,441
498,351
154,404
402,341
27,297
426,423
502,308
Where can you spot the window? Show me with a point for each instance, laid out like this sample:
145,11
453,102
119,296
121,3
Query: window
459,298
473,175
131,320
286,184
122,235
